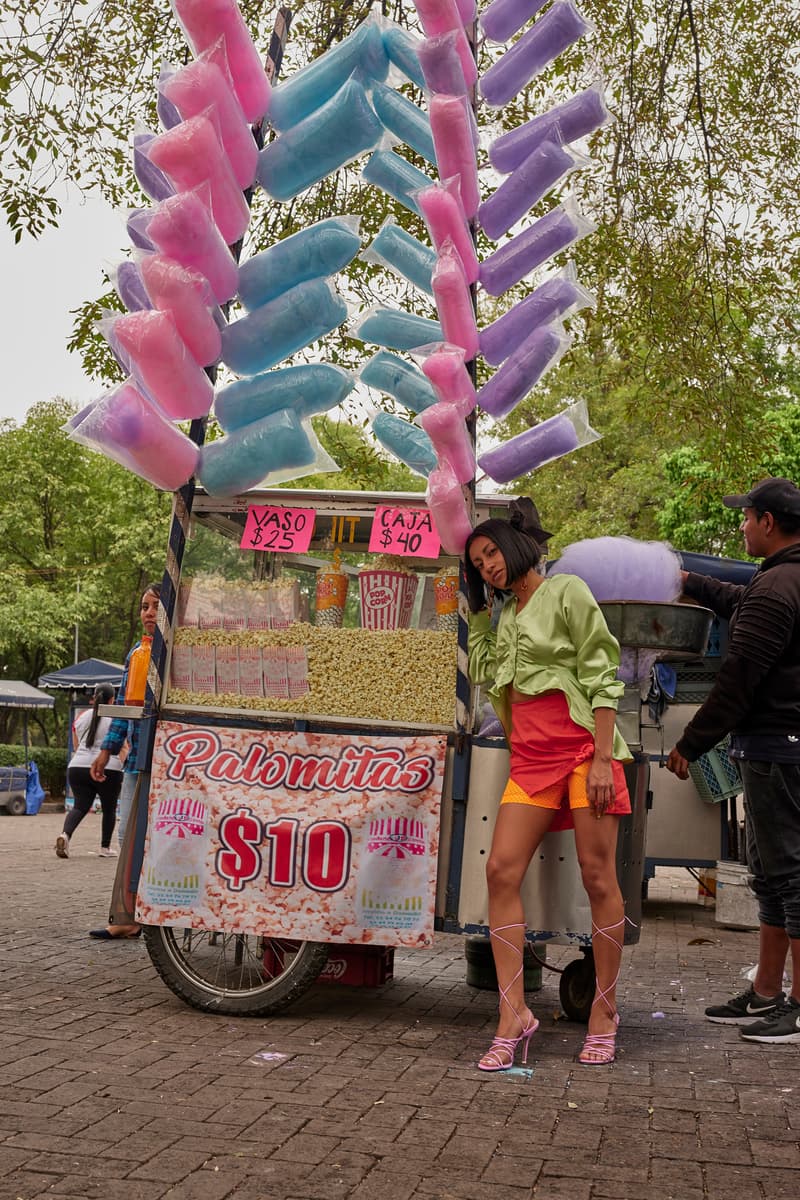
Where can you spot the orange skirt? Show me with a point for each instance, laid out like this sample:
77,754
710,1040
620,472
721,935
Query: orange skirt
550,758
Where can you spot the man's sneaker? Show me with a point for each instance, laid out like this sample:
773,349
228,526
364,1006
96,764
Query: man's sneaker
62,845
107,852
744,1009
783,1025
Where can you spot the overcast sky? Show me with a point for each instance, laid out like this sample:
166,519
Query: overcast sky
44,280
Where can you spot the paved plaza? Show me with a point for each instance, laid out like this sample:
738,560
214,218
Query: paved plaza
111,1087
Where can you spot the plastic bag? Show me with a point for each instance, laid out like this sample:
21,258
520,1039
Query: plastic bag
274,450
562,434
34,792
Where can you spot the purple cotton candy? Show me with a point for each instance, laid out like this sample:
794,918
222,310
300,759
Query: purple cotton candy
564,123
168,114
130,287
516,258
152,181
502,18
524,188
522,370
551,299
560,26
529,450
622,568
136,225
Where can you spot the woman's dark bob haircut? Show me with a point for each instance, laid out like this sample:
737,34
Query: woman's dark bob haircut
519,550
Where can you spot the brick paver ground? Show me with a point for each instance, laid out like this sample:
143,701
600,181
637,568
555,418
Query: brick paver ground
110,1087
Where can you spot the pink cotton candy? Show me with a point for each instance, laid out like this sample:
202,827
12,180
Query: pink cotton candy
442,16
455,147
448,507
127,428
204,22
454,301
163,365
440,205
622,568
191,153
187,295
445,427
182,228
451,380
206,83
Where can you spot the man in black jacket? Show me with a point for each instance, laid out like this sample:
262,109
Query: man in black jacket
756,698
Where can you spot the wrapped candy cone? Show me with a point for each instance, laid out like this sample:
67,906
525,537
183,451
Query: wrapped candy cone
445,597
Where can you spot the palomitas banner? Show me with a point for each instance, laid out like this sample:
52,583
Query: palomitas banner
319,837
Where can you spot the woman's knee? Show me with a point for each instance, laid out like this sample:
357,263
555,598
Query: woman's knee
503,872
599,877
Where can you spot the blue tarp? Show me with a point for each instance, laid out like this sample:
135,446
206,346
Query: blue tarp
83,676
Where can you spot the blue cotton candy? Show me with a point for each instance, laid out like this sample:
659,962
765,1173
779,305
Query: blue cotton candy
407,442
339,131
392,375
282,327
403,52
316,251
400,179
398,330
403,253
405,120
305,389
622,568
307,90
240,461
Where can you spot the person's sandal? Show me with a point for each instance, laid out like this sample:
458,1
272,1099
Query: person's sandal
600,1049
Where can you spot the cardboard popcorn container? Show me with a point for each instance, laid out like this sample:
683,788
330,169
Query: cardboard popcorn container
387,598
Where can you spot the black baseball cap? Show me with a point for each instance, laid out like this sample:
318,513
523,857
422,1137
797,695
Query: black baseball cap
770,495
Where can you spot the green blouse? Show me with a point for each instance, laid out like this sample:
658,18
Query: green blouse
558,641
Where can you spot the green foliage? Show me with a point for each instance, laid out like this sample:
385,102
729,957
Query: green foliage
51,761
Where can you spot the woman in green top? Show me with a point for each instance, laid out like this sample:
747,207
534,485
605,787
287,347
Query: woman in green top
553,665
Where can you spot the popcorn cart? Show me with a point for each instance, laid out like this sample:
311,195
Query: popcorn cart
312,784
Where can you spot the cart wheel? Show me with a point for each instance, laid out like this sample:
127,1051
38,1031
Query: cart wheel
576,989
236,974
17,806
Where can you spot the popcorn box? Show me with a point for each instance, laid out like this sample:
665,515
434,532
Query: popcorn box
181,668
251,673
204,671
235,607
258,609
227,669
284,604
387,599
188,604
297,670
211,601
276,678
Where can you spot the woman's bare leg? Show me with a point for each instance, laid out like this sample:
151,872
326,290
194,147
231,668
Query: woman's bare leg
596,844
517,833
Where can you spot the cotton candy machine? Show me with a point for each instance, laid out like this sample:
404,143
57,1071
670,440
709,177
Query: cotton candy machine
647,633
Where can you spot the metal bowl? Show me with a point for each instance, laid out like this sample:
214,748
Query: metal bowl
675,630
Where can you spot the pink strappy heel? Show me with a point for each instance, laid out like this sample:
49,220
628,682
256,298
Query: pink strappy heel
501,1054
600,1049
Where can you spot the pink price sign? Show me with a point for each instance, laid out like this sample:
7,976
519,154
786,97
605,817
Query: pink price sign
407,532
281,530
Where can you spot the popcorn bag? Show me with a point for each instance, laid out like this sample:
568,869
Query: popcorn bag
181,667
331,594
204,669
387,597
445,592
